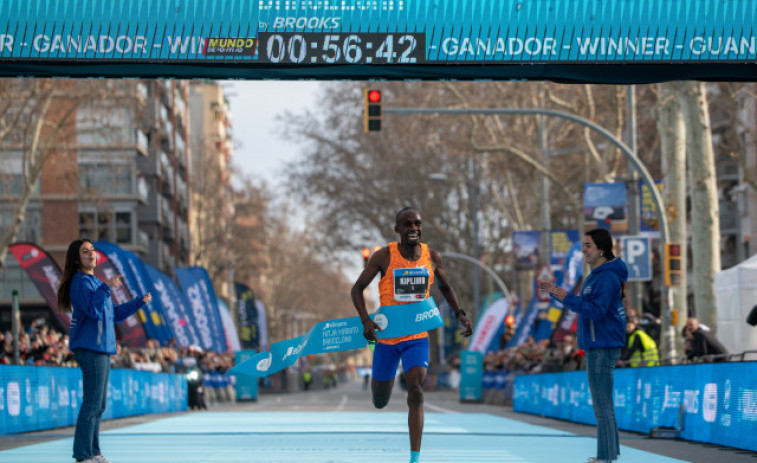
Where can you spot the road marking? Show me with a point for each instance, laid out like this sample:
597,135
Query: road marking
342,403
438,408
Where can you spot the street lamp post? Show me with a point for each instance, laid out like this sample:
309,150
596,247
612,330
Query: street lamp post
668,339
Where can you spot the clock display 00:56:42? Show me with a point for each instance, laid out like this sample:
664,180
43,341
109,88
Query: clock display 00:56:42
328,48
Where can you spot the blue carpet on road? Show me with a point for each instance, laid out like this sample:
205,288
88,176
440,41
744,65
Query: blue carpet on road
311,437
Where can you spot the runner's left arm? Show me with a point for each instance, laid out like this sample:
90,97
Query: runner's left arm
440,276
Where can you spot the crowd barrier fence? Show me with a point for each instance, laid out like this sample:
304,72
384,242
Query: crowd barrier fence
34,398
714,403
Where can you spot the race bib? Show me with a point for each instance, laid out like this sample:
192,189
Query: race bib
411,284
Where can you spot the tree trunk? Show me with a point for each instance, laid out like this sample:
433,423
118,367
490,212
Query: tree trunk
673,148
705,220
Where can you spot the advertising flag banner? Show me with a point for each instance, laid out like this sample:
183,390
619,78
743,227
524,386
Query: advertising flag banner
232,338
605,206
247,317
130,331
175,308
525,326
137,279
262,324
45,274
196,284
488,325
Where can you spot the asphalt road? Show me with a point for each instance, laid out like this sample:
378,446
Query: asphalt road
350,397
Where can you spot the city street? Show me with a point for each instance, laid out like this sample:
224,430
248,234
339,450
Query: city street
340,425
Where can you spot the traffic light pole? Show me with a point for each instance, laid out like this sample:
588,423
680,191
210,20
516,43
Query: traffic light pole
668,340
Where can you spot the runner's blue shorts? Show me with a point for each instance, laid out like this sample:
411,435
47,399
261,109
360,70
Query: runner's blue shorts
387,357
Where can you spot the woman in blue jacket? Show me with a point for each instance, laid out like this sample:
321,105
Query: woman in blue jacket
92,339
601,331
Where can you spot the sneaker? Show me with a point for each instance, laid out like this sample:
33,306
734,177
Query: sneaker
100,459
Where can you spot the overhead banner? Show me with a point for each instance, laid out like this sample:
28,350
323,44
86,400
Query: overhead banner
526,248
248,329
137,279
203,302
45,274
175,308
560,243
130,331
378,38
605,206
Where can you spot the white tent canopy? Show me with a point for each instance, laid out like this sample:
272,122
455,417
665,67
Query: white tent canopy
735,295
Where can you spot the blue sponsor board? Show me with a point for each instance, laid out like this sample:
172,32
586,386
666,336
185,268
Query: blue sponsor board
719,400
34,398
203,306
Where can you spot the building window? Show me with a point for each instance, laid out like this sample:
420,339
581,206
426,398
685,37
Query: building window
106,226
31,228
106,179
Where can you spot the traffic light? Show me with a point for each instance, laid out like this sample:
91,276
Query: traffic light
673,264
509,328
366,255
371,110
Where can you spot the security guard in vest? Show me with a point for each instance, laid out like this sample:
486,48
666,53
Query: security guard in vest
641,350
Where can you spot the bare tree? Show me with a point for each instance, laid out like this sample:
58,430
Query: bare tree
705,232
38,120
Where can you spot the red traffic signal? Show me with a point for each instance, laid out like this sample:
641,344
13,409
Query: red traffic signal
374,96
371,110
366,253
509,320
673,265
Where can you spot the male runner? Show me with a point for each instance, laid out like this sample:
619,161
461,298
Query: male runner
426,266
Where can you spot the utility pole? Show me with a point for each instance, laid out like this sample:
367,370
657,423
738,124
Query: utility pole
546,224
474,192
633,194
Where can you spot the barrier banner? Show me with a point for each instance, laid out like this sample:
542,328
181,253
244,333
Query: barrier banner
130,331
344,334
35,398
45,274
198,289
175,308
138,281
719,400
471,376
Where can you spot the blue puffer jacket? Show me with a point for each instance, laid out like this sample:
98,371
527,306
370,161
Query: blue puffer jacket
601,316
94,314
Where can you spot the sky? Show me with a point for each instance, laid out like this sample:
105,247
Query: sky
259,149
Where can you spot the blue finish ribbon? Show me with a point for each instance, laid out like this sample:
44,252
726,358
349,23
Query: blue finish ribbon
343,334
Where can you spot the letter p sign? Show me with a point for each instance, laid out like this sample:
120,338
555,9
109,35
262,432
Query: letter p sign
636,253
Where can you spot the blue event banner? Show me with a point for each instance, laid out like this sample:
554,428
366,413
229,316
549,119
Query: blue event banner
204,307
718,400
137,279
343,334
370,32
34,398
175,307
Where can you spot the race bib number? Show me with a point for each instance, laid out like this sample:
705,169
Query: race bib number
411,284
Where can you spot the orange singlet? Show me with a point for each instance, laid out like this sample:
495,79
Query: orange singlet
413,284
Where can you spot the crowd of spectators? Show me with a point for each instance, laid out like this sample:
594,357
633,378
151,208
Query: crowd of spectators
41,345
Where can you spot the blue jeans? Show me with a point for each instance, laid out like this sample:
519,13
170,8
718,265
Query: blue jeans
95,370
600,366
